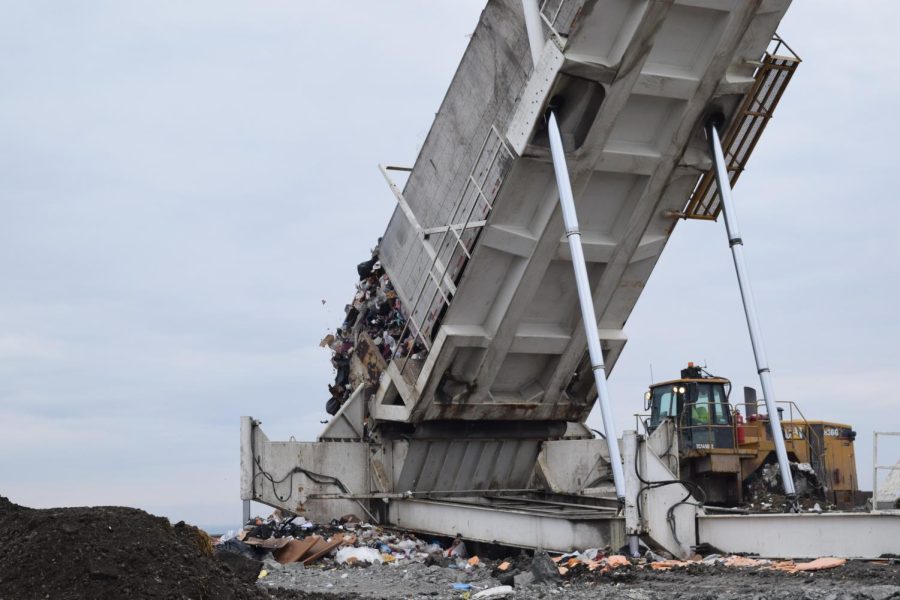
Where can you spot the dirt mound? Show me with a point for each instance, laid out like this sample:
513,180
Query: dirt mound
111,552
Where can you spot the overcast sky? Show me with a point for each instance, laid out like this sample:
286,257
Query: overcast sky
182,184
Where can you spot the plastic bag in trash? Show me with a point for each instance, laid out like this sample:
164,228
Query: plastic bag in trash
356,555
501,591
593,553
227,536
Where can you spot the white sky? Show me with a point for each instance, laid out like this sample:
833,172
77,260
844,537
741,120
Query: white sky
182,184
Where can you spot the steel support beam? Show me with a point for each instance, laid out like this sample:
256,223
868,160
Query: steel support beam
573,235
519,527
847,535
740,267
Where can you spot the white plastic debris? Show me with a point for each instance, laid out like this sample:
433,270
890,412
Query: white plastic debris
591,553
230,534
433,549
458,549
501,591
366,555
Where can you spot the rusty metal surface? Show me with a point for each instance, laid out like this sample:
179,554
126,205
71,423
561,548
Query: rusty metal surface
744,132
450,457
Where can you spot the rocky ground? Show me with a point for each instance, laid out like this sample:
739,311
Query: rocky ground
855,580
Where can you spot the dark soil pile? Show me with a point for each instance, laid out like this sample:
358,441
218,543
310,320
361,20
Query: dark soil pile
112,552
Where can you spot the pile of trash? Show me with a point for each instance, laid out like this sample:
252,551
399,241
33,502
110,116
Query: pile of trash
348,543
764,491
345,541
373,332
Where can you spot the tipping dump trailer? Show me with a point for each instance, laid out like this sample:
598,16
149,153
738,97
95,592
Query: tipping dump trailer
482,432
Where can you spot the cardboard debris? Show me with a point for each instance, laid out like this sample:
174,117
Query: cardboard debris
320,550
474,561
503,567
819,564
295,549
743,561
269,544
562,570
666,565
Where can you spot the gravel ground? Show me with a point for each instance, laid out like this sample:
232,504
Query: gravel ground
411,580
856,580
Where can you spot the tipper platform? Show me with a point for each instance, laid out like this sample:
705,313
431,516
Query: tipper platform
474,420
478,253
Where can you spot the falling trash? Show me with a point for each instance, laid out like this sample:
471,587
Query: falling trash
373,332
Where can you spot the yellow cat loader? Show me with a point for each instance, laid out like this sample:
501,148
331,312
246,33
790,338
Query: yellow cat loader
725,447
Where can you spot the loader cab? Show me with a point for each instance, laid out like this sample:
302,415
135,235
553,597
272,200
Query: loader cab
698,405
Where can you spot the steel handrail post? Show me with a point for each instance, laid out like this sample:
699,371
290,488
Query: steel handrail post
875,470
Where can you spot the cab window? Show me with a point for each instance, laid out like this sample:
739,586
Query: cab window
709,407
664,404
700,406
721,404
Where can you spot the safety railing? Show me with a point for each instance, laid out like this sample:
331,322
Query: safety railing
795,428
559,16
774,71
642,421
876,467
814,440
454,248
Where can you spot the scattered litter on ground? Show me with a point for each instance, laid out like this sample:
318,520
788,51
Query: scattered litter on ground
374,562
818,564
